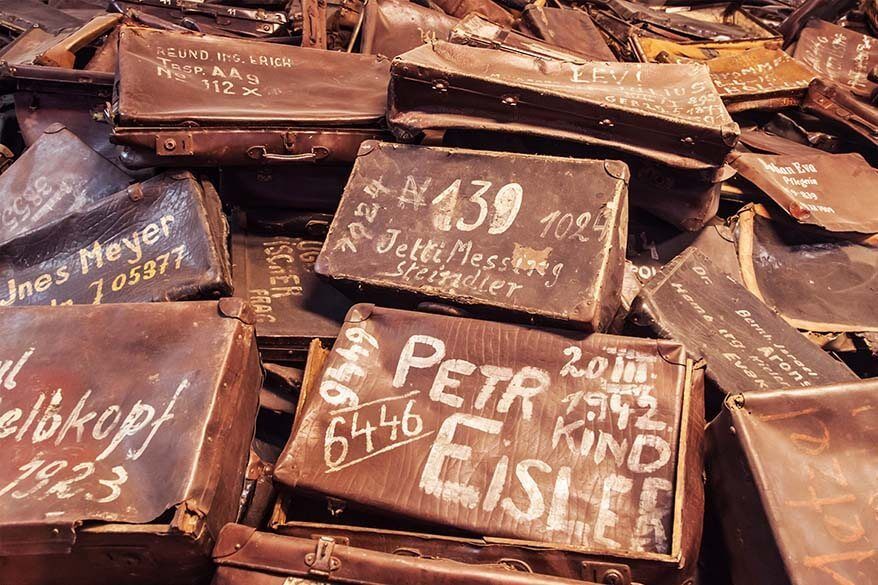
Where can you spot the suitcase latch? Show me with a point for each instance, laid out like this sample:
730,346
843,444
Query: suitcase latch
321,562
606,573
174,144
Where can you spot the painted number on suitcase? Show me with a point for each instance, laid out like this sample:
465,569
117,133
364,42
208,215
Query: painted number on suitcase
505,207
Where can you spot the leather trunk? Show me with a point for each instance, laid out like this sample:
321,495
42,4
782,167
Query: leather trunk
212,100
132,455
446,86
460,477
160,240
493,233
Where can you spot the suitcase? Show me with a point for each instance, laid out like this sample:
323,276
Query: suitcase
490,10
160,240
214,100
759,79
292,306
571,30
840,55
747,347
792,472
843,112
494,233
392,27
762,140
57,175
447,86
216,19
19,16
132,455
816,284
828,10
470,474
657,50
59,49
832,191
246,557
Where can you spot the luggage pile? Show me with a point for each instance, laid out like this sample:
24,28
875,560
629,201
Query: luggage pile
439,291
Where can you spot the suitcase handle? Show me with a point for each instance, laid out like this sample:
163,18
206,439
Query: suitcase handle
261,153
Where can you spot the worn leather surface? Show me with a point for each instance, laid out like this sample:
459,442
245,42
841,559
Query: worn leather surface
160,240
842,111
392,27
214,18
793,474
572,30
746,345
21,15
167,78
839,54
602,104
467,454
57,175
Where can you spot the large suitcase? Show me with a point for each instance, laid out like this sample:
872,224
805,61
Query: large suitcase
793,473
444,86
292,305
160,240
57,175
572,30
246,557
746,346
519,446
392,27
126,429
212,100
496,233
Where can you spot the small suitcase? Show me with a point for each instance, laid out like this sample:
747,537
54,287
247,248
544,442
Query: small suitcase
19,16
132,452
747,347
793,474
571,30
160,240
213,100
844,112
216,19
392,27
657,50
568,486
246,557
447,86
494,233
291,304
57,175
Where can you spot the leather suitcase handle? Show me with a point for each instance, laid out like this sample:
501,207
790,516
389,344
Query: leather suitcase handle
261,153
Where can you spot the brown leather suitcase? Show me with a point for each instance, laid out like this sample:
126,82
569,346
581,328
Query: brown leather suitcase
494,233
392,27
292,305
571,30
57,175
447,86
131,455
491,10
469,474
214,100
160,240
217,19
245,556
839,54
19,16
842,111
809,10
658,50
747,347
832,191
793,473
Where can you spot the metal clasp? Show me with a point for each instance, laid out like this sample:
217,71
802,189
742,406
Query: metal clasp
606,573
321,562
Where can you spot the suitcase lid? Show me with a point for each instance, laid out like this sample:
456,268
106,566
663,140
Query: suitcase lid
569,29
652,49
723,21
172,78
744,343
418,219
56,175
327,559
833,191
840,54
454,437
115,419
619,98
392,27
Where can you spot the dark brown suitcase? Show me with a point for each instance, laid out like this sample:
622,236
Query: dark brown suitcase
747,347
160,240
213,100
246,557
491,10
443,85
816,284
794,475
57,175
216,19
496,233
131,454
840,54
575,488
833,191
392,27
843,111
18,16
809,10
292,305
572,30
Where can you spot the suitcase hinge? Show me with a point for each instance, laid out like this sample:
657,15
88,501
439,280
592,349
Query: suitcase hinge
606,573
321,562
